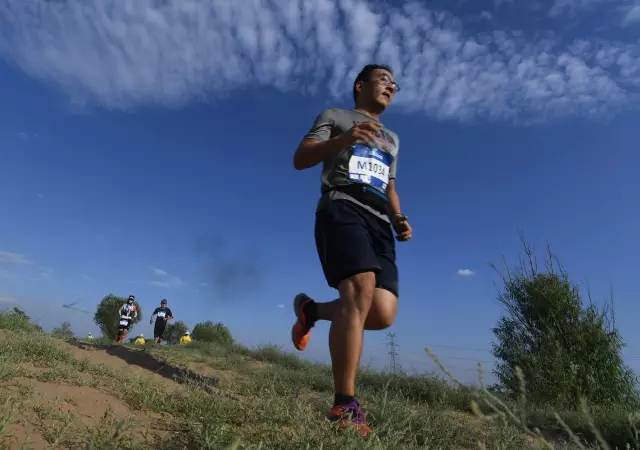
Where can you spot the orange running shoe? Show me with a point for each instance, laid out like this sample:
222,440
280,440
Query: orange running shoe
301,330
350,416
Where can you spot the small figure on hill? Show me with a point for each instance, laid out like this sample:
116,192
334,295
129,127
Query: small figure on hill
163,314
140,340
90,337
185,338
127,313
356,217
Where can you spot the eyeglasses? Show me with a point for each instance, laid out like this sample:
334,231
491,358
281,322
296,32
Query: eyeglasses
386,80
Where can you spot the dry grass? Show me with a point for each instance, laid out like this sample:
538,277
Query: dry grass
54,395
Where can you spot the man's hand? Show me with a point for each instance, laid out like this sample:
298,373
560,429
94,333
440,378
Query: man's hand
361,133
402,228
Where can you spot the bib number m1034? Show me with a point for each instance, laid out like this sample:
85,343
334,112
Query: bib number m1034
370,166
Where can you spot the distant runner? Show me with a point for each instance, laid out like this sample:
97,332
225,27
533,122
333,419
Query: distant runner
127,314
163,314
185,338
140,340
356,216
90,337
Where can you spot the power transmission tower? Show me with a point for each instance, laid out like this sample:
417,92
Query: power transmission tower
392,343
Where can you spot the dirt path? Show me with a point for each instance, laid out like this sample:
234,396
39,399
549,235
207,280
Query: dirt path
61,403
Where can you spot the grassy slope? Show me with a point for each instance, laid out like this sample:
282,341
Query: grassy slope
58,396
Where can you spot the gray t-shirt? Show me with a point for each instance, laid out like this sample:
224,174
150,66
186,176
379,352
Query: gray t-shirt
356,163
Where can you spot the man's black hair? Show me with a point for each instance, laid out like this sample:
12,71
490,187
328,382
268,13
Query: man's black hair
365,75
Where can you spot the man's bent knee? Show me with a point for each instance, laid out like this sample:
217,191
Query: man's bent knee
357,291
383,310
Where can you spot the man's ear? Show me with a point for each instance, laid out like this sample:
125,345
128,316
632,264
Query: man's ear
359,86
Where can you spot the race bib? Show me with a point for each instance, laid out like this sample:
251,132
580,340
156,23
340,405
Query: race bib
123,322
161,314
370,165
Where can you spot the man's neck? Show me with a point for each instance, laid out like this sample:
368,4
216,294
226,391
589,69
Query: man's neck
374,113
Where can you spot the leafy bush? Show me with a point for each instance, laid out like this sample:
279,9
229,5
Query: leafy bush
175,331
567,351
15,319
210,332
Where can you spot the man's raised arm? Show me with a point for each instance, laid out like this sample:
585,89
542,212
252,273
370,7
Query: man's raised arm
317,143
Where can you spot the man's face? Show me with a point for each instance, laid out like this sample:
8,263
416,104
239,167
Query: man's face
163,304
381,88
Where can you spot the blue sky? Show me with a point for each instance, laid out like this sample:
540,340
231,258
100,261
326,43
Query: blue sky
147,148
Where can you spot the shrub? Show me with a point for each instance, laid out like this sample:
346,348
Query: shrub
567,351
63,331
17,320
210,332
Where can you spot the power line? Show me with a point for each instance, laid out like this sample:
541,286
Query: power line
471,349
452,347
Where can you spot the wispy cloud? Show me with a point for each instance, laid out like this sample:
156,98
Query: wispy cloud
123,54
632,17
168,281
13,258
465,272
281,306
86,277
160,272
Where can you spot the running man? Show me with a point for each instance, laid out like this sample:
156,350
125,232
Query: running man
163,314
129,308
127,314
356,216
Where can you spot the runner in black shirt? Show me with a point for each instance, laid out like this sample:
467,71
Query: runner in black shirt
163,314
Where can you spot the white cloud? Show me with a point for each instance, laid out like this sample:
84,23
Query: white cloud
160,272
281,306
632,16
169,281
40,195
465,272
13,258
121,54
86,277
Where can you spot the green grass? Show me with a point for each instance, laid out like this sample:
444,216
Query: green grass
267,399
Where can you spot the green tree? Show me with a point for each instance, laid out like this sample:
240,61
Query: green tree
106,316
174,331
210,332
565,349
63,331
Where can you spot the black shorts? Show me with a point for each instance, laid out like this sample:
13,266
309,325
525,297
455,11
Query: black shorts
351,240
124,327
159,329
